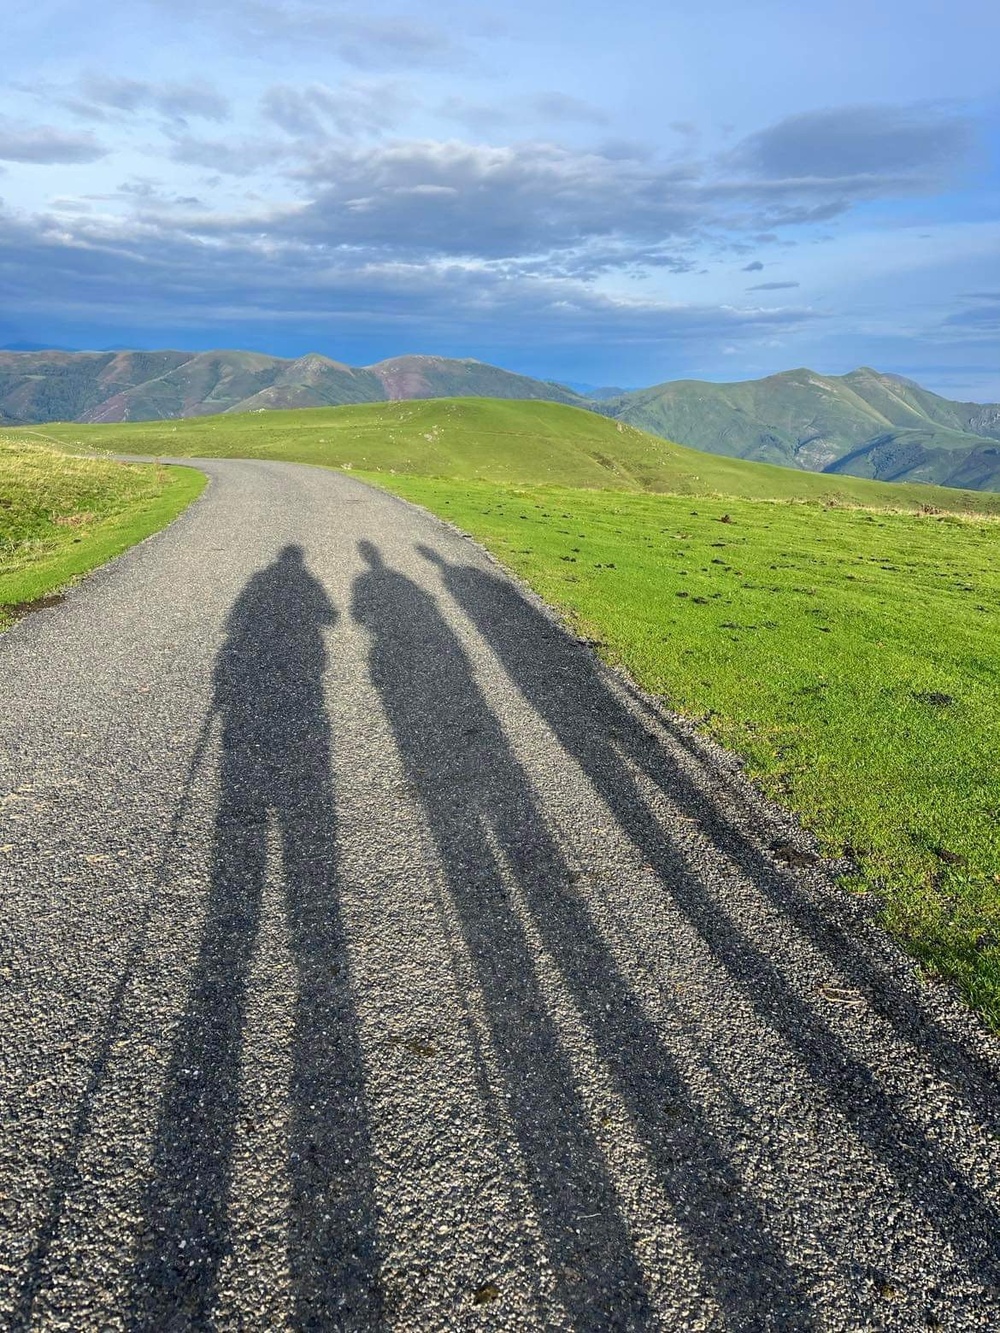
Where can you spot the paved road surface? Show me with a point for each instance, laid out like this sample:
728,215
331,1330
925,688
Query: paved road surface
372,959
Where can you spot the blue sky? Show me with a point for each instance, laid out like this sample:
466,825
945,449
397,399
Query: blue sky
608,194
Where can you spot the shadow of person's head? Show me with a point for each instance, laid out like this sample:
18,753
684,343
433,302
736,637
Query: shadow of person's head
371,555
432,556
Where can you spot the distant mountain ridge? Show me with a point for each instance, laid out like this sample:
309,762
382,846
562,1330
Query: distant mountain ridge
864,424
147,386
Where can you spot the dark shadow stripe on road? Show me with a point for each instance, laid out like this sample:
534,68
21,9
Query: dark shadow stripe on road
276,772
484,818
563,683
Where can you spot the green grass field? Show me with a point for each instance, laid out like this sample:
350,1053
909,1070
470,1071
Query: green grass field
851,657
61,516
841,635
506,441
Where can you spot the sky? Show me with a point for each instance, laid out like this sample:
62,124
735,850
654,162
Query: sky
604,194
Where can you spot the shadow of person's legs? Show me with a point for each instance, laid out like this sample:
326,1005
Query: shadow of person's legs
184,1235
276,771
331,1240
495,849
605,737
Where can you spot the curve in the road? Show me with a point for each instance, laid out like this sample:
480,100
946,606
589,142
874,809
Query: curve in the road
372,957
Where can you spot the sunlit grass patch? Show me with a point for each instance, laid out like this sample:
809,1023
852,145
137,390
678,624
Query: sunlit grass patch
61,515
852,658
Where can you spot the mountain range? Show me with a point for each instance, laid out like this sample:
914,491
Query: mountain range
148,386
864,424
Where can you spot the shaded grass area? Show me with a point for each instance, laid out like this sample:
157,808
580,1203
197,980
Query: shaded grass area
851,657
61,516
507,441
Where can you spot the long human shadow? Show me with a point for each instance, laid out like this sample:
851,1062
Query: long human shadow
275,772
489,831
565,686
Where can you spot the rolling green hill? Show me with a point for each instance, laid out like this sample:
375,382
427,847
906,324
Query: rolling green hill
528,443
864,424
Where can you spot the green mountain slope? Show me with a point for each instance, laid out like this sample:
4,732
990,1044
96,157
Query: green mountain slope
54,386
524,443
153,386
863,424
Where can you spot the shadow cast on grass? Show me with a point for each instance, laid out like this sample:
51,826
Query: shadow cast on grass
495,848
564,684
275,774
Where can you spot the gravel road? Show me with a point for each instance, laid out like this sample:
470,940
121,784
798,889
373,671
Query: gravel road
371,957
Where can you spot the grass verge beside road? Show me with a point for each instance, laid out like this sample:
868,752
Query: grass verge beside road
851,656
62,516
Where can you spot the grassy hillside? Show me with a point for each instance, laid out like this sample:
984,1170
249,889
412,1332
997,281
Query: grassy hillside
931,455
851,657
905,403
61,516
60,386
797,419
526,442
863,424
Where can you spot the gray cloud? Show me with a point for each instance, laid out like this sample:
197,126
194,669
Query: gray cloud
87,266
565,210
982,319
771,286
150,199
532,197
359,37
463,199
595,260
777,213
230,157
856,144
354,108
46,145
561,107
624,150
175,101
554,107
476,116
392,42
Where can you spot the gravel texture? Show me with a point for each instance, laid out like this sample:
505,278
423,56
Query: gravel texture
371,957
